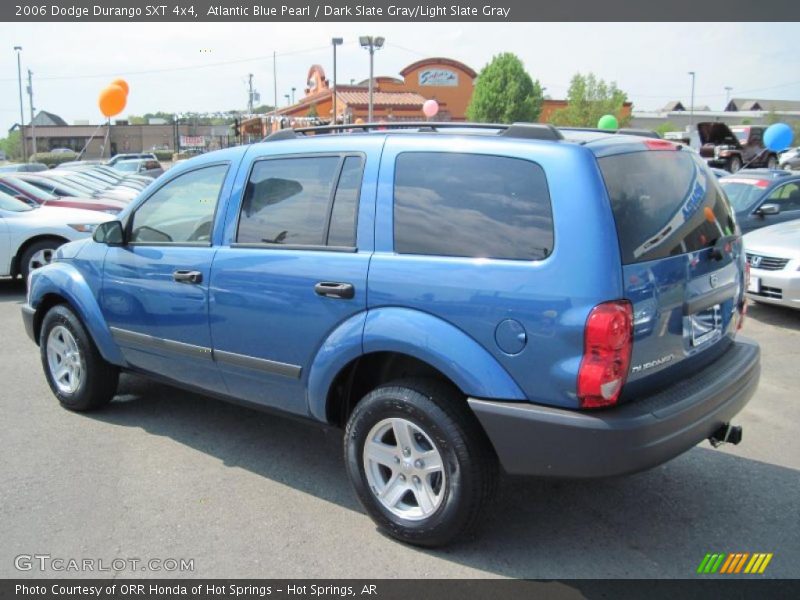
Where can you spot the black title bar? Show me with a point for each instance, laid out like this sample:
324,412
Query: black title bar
400,11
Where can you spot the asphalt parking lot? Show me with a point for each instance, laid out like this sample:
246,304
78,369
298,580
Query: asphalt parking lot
162,473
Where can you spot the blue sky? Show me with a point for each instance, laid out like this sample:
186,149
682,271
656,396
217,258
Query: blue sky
174,67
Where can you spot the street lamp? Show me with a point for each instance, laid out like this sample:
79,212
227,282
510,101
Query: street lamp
18,50
287,99
335,42
728,90
371,44
293,90
691,108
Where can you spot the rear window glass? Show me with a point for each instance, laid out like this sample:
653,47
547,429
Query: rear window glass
664,203
452,204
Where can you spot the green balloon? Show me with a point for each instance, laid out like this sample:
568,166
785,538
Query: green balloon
608,122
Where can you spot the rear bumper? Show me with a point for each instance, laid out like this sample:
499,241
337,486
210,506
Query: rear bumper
538,440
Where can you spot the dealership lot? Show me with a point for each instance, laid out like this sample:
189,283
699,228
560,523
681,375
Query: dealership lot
164,474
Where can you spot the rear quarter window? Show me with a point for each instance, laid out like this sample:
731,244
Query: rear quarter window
664,203
471,205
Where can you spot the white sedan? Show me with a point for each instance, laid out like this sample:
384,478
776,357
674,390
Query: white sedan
30,236
773,254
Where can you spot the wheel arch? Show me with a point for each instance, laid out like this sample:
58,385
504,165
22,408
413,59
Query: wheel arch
16,262
388,343
61,283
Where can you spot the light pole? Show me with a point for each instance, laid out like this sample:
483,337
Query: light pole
287,99
334,42
18,49
691,107
728,90
30,101
293,90
371,44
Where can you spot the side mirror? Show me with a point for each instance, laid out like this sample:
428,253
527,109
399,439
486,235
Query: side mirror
768,209
110,232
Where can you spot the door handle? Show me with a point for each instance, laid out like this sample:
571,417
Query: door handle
187,276
333,289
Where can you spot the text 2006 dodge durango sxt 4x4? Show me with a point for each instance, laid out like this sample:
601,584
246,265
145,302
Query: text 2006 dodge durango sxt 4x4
458,298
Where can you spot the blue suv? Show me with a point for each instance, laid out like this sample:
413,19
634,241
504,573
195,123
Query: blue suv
457,298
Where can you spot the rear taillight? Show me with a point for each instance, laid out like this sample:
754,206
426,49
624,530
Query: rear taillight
653,144
607,346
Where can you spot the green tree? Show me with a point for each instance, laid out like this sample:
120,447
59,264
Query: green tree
588,99
11,145
505,93
772,117
665,127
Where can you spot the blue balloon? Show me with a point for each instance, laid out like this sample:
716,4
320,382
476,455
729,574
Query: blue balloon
778,137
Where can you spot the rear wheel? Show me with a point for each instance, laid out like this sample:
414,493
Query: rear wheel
734,164
37,255
772,162
419,461
77,374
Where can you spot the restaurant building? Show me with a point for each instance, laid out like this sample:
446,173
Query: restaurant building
445,80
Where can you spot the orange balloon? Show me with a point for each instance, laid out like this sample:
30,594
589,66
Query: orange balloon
709,214
359,121
123,84
112,100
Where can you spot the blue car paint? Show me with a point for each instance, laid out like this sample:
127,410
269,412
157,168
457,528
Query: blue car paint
747,217
445,311
475,295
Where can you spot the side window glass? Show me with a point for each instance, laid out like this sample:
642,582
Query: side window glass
286,201
471,205
787,196
181,212
342,230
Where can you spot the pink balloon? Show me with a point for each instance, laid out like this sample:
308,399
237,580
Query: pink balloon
430,108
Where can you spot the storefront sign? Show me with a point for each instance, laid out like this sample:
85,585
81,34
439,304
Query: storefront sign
193,141
438,77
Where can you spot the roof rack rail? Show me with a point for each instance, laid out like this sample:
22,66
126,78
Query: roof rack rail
621,131
529,131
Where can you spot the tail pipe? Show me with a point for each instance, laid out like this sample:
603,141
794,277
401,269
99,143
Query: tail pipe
726,434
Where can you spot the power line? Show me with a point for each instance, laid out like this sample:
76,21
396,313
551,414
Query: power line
174,69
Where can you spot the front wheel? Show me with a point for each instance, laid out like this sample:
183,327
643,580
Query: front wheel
419,461
734,164
77,374
38,255
772,162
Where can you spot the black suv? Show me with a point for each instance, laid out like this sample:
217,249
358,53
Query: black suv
732,148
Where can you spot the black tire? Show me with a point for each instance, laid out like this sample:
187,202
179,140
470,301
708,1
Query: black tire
99,381
734,164
772,162
47,246
468,459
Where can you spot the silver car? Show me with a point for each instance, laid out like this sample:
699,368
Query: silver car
773,254
790,159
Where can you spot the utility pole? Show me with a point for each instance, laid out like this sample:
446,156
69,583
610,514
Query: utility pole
275,91
334,42
250,94
691,108
21,108
30,98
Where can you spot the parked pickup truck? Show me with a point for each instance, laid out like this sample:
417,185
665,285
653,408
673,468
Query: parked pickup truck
458,299
733,148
